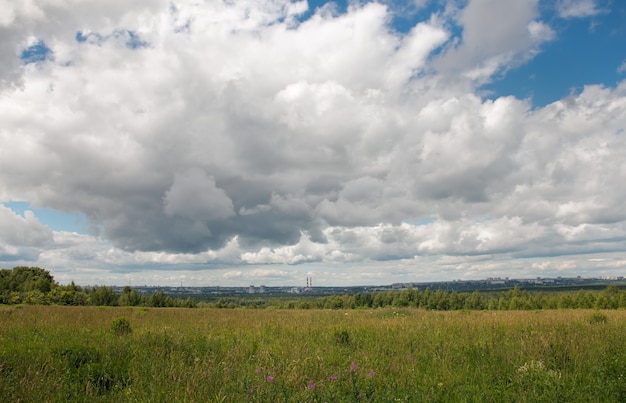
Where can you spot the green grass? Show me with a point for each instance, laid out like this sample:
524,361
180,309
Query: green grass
53,353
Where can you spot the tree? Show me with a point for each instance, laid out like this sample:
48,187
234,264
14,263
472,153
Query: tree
455,302
474,301
103,296
157,300
5,275
24,279
129,297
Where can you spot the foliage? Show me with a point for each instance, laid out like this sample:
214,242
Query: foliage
598,317
440,300
36,286
129,297
121,327
103,296
25,279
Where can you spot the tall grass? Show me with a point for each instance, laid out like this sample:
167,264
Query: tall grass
52,353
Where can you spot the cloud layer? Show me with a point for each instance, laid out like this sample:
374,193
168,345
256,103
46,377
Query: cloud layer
242,134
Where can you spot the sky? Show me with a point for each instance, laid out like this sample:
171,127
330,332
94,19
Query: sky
229,143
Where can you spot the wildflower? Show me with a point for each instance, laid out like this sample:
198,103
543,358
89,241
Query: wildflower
270,378
533,365
353,367
410,358
310,386
333,377
258,370
371,374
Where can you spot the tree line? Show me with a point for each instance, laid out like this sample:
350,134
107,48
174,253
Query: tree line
33,285
441,300
36,286
513,299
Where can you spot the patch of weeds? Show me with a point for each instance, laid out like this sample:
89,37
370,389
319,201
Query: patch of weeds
390,314
342,338
5,368
93,371
77,356
106,377
613,371
597,318
536,380
121,327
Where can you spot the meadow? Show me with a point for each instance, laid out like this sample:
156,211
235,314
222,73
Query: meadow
65,353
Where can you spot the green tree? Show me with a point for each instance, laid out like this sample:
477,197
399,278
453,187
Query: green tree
35,297
455,301
5,276
157,300
103,296
129,297
190,303
566,302
24,279
475,301
70,294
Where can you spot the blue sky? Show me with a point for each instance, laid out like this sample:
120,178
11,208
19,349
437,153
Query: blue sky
585,51
56,220
264,142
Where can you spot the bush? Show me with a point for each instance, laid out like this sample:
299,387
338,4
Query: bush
598,317
342,338
121,326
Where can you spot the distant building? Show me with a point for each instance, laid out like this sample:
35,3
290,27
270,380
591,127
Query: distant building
251,289
262,289
497,281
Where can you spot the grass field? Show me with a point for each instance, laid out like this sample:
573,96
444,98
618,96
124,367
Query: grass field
53,353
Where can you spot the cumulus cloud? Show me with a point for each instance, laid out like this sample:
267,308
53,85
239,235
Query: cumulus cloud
21,237
496,37
18,230
241,133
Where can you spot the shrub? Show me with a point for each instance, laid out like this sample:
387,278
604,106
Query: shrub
598,317
121,327
342,338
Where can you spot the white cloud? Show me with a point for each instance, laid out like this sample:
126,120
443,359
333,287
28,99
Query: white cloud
577,8
22,238
496,36
239,136
25,231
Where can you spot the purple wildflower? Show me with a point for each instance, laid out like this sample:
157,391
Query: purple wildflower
333,377
258,370
371,374
353,367
310,386
270,378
